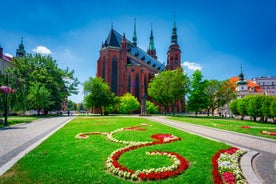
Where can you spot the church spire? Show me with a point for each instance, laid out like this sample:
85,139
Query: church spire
174,34
151,43
134,37
151,50
20,52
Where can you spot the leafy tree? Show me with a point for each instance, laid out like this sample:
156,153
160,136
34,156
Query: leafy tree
168,87
242,107
71,105
254,106
128,104
273,108
211,91
38,97
234,107
198,99
265,107
43,70
151,108
98,94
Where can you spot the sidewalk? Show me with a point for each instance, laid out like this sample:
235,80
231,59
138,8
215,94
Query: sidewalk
18,140
262,164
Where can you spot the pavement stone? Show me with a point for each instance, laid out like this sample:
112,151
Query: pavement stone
18,140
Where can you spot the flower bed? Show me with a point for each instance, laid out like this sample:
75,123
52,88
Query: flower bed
179,164
226,166
268,133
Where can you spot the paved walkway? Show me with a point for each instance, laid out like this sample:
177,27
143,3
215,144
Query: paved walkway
18,140
264,163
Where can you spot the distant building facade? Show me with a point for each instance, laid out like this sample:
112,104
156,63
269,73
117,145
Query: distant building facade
245,87
128,68
268,84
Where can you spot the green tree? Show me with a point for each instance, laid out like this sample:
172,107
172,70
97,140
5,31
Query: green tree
38,97
212,91
198,99
43,70
273,108
242,107
234,107
254,108
98,94
151,108
128,104
71,106
168,87
265,107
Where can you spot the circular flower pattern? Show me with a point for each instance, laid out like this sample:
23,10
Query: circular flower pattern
179,164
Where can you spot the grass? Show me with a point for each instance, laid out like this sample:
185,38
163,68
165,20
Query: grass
231,125
12,120
62,158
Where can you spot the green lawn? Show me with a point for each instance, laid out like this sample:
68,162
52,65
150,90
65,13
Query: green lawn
12,120
63,158
231,125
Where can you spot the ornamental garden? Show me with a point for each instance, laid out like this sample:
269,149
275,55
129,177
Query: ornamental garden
122,149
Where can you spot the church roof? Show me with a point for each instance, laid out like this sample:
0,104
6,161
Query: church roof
257,88
114,39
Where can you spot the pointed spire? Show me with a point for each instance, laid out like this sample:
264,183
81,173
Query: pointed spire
134,37
174,34
151,43
20,52
241,74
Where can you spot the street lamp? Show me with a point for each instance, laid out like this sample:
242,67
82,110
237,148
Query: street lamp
6,90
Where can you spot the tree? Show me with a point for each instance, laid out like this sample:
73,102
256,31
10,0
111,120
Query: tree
212,91
41,69
254,106
168,87
198,99
71,106
97,94
265,107
242,107
234,107
38,97
151,108
273,108
128,104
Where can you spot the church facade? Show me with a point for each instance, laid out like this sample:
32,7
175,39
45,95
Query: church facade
128,68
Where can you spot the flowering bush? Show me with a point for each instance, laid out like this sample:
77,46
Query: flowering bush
226,166
179,164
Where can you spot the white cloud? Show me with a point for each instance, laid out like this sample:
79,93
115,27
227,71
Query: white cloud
8,54
192,65
42,50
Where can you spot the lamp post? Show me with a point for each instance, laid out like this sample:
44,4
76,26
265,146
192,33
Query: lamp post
6,90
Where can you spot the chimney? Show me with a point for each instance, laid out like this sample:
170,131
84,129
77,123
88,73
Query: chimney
1,52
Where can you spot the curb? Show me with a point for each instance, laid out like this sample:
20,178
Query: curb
247,168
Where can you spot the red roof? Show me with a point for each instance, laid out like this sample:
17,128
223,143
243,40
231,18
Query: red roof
256,87
6,58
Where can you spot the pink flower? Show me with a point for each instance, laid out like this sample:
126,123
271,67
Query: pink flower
229,178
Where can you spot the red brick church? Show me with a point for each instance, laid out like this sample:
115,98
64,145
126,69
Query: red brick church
128,68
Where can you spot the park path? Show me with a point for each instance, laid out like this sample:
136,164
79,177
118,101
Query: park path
17,140
263,164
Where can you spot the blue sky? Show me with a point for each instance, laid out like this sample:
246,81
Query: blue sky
216,36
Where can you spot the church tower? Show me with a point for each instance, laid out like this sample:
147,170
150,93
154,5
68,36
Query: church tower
174,53
151,50
241,86
20,52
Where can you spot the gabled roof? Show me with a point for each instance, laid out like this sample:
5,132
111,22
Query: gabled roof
257,88
114,39
6,58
